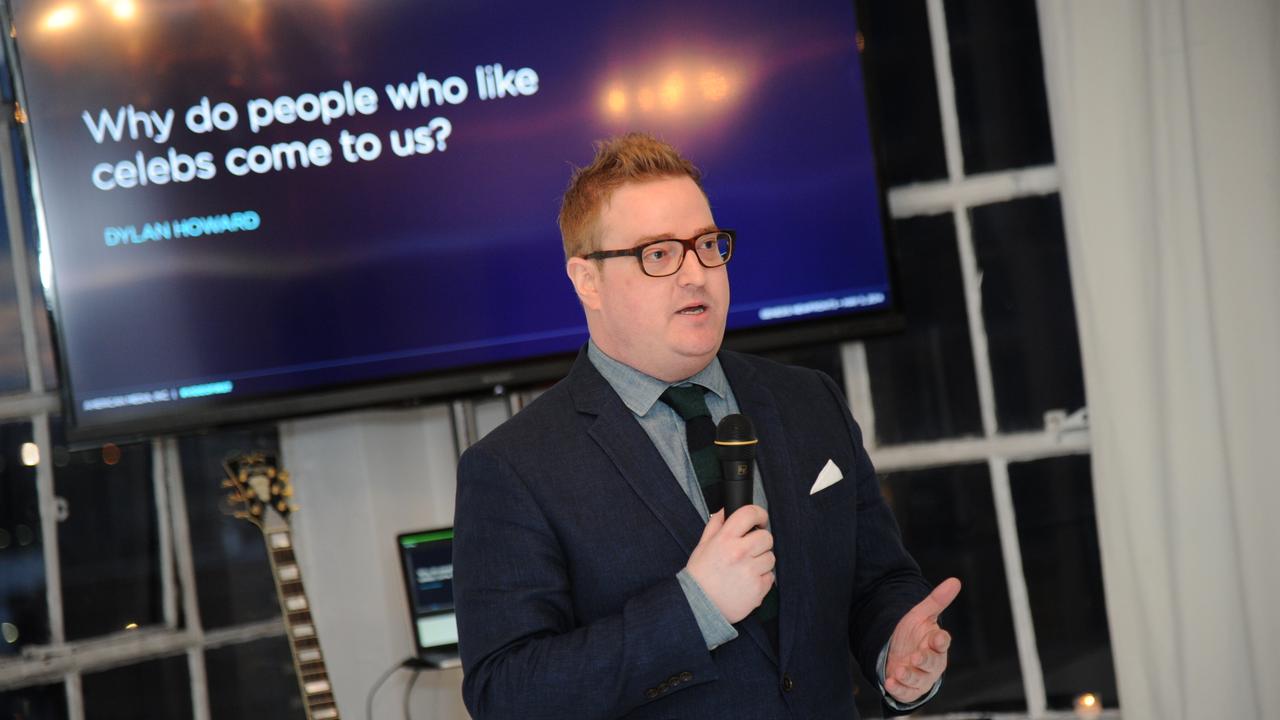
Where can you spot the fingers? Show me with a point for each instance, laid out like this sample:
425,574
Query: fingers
912,674
714,523
900,692
941,597
939,641
932,657
758,542
763,564
911,678
745,519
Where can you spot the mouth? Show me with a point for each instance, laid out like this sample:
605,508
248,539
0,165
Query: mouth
694,309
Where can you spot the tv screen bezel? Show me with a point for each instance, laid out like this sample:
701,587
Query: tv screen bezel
436,385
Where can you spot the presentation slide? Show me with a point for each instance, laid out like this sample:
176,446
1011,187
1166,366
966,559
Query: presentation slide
253,199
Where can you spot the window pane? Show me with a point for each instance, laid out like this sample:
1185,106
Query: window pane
1000,97
24,613
108,543
13,365
253,681
948,524
153,690
1029,311
1058,531
922,381
233,575
40,702
901,91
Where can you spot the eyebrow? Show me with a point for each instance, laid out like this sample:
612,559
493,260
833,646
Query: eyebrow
671,236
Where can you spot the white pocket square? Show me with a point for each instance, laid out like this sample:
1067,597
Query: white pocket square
829,476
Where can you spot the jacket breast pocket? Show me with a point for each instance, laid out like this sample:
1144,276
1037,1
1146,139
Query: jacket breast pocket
843,492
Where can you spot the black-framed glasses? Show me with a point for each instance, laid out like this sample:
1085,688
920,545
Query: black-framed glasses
661,258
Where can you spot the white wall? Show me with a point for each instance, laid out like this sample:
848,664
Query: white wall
360,479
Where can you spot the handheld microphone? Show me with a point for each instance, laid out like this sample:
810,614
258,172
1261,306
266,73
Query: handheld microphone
736,447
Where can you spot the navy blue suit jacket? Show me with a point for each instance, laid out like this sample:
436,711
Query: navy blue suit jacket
570,530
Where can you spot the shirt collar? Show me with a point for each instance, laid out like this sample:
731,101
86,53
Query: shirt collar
639,391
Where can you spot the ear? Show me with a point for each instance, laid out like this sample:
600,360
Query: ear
585,276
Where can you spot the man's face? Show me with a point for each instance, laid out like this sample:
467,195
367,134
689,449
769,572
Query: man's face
668,327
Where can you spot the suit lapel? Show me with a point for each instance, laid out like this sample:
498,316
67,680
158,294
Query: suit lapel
773,459
627,445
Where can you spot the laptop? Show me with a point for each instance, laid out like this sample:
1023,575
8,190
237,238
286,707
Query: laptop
426,558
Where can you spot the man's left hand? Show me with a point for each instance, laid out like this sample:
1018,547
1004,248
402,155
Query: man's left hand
918,647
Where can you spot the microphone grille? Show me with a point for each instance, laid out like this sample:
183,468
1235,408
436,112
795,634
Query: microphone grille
735,429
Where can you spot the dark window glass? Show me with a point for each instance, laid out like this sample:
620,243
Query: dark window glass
253,681
903,96
39,702
1058,532
108,542
922,381
1028,309
24,613
13,364
152,690
233,574
999,79
948,521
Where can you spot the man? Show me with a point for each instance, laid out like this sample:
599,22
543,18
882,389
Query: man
591,580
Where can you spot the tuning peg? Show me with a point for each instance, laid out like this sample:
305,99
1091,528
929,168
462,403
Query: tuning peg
271,472
256,510
228,483
288,491
282,506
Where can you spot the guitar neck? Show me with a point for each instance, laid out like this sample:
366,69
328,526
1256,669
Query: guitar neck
308,660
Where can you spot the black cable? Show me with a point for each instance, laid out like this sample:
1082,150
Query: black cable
416,663
408,689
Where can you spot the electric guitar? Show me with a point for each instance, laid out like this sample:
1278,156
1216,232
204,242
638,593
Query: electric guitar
259,492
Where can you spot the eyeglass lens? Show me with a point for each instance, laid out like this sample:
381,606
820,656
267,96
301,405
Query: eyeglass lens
665,256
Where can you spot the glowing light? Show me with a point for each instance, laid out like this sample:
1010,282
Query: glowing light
714,85
615,101
1088,706
672,91
131,626
110,454
124,10
61,18
30,454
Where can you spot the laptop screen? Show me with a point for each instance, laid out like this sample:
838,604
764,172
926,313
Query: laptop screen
427,560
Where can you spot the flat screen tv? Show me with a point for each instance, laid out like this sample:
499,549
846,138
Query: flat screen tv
254,208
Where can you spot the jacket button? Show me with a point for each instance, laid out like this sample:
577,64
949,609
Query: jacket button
686,676
787,685
651,693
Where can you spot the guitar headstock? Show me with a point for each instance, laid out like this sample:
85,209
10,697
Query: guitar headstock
258,490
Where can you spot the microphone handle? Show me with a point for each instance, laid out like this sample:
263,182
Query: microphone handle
736,486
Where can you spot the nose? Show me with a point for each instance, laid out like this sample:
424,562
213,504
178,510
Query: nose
691,271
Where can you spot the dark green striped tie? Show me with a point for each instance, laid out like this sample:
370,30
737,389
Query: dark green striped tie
690,403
